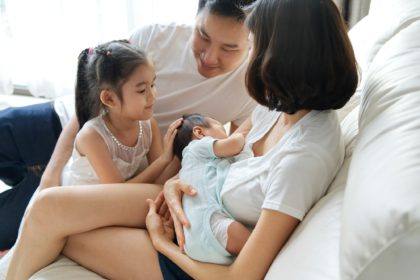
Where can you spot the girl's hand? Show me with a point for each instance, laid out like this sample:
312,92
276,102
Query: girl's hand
168,140
173,191
159,226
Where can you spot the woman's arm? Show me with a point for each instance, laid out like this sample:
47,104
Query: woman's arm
270,234
159,158
61,154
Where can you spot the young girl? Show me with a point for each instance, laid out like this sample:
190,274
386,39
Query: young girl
206,153
119,141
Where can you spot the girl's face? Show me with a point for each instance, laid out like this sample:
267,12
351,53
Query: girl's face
139,93
219,43
216,129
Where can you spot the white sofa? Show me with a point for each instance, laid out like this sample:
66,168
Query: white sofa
368,224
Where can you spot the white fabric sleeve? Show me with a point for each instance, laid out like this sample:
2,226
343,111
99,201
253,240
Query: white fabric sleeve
219,224
296,183
141,37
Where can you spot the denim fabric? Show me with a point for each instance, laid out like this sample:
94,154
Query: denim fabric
171,271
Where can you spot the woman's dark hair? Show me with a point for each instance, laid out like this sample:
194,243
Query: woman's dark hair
185,131
302,57
109,65
227,8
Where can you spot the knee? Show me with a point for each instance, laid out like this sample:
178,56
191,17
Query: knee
41,214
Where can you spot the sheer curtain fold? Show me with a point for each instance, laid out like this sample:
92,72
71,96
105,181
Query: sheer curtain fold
43,38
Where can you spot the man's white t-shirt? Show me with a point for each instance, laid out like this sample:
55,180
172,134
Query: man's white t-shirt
180,88
293,175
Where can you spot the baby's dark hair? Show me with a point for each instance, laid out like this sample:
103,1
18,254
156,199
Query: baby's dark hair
184,134
109,65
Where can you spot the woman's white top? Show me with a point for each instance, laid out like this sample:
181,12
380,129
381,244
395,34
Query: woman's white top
293,175
129,160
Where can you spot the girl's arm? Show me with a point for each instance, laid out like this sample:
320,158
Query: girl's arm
270,234
158,158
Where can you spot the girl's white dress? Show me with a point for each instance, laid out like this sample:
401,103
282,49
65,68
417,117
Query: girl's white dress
129,160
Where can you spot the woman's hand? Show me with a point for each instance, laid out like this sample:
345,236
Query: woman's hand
168,141
159,222
173,191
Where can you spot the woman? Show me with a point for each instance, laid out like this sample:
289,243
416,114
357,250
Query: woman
302,66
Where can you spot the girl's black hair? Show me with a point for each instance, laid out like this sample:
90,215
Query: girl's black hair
302,57
108,66
229,8
184,134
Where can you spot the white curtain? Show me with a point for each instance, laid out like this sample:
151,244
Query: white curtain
40,40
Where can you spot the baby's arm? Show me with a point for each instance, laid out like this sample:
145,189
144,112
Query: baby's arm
230,146
238,234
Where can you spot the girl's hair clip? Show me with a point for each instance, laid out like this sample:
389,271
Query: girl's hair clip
91,50
108,53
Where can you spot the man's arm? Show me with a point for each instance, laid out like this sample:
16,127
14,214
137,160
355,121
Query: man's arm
61,154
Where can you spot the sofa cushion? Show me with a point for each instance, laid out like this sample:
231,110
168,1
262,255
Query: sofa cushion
381,213
65,269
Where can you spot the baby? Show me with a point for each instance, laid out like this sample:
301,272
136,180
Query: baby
206,152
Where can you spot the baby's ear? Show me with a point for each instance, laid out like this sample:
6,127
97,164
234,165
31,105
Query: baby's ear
108,98
198,132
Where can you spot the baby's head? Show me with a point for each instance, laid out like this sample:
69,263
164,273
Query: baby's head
195,126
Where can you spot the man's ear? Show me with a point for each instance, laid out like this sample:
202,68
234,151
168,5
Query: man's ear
108,98
198,132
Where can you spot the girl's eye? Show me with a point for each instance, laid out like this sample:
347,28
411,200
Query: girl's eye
152,85
141,91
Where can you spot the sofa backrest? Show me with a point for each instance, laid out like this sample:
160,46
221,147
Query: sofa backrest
386,18
380,230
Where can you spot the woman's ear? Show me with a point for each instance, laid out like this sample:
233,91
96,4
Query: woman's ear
108,98
198,132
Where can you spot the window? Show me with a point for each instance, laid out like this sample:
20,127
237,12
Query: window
40,40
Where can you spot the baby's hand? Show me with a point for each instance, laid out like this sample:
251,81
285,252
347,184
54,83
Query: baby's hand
168,140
